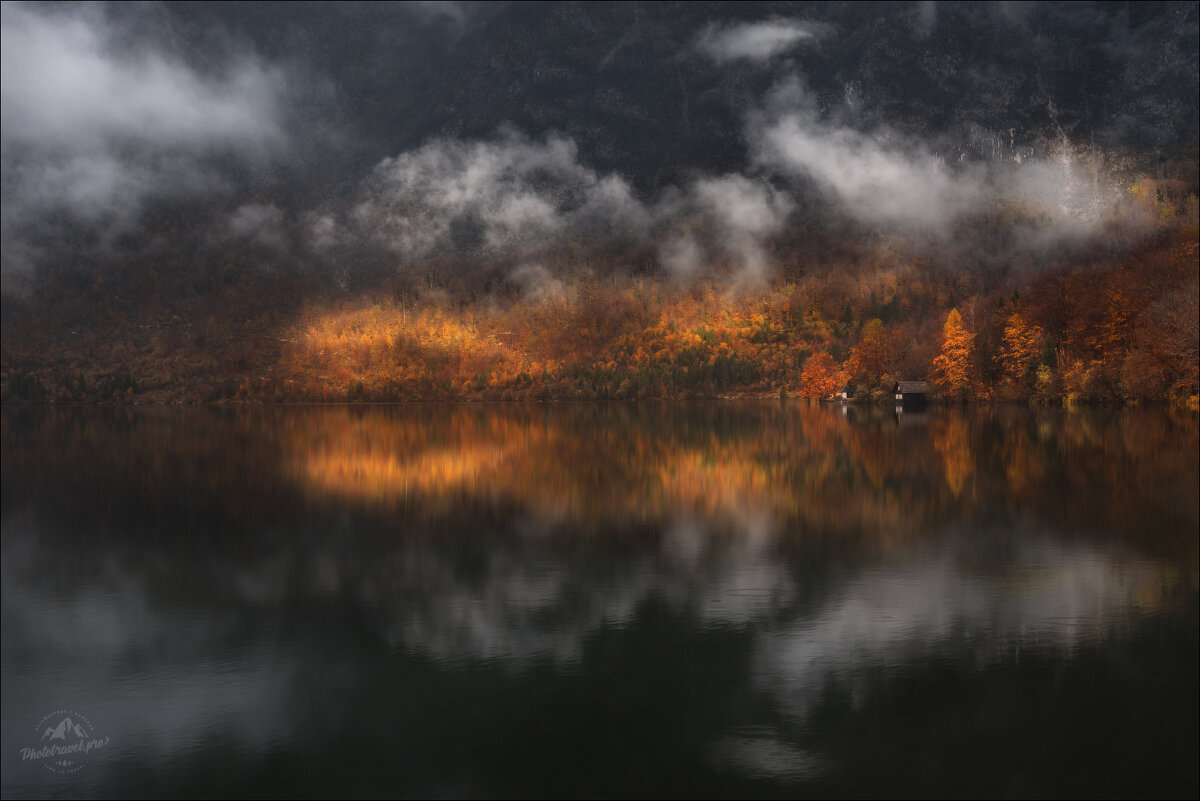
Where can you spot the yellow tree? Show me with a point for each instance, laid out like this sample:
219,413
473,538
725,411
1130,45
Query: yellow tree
952,367
1022,344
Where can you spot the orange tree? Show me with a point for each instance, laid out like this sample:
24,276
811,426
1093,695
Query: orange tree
821,377
952,367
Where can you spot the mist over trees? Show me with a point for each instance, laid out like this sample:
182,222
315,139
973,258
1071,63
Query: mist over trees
589,200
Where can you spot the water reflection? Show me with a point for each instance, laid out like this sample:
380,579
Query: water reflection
730,585
90,629
1044,595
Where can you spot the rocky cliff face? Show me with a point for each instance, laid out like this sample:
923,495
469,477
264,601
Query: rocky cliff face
633,86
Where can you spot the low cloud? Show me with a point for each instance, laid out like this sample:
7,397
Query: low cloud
511,195
99,118
539,284
260,223
105,115
478,197
755,41
886,179
68,84
877,180
747,213
682,256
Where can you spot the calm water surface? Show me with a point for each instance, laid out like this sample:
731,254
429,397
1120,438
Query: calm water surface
680,599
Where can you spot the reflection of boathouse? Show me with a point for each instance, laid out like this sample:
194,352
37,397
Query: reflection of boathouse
910,417
911,394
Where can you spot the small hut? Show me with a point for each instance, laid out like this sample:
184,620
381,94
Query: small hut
911,394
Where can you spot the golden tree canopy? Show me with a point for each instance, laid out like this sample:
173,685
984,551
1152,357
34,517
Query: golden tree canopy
952,367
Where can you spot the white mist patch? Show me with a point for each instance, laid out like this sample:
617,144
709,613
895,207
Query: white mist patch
890,180
260,222
195,678
510,192
876,180
682,256
322,231
539,284
1076,191
747,212
1053,595
513,194
68,83
97,120
755,41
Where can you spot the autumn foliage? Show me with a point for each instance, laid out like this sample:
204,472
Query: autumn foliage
952,367
1092,326
821,377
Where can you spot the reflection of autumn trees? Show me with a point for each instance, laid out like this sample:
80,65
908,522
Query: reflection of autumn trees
953,443
581,466
829,474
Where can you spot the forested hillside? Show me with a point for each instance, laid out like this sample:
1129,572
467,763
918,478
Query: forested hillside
576,201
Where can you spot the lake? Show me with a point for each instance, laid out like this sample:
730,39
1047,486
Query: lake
756,599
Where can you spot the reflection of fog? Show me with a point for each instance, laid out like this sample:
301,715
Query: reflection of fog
1045,595
520,607
517,601
516,613
531,598
86,634
253,586
163,668
730,580
516,607
760,753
